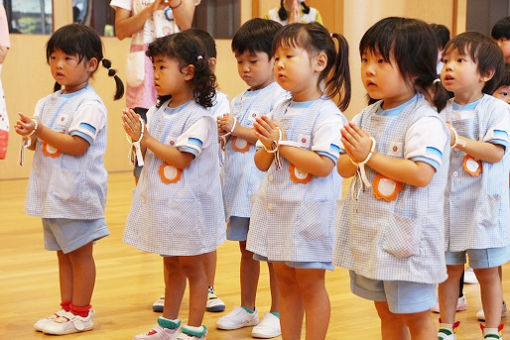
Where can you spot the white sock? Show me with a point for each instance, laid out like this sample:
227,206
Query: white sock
448,326
488,330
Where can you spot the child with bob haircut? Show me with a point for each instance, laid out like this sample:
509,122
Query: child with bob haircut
177,209
292,223
67,185
252,46
477,202
398,150
501,34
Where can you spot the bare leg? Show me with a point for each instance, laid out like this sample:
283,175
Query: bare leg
420,325
274,289
210,267
175,284
312,287
250,271
194,269
392,325
84,274
65,273
449,293
491,293
291,303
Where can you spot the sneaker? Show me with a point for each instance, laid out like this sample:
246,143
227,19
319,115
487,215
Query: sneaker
39,325
68,323
158,305
469,276
187,334
238,318
480,315
492,336
214,303
461,305
158,333
268,328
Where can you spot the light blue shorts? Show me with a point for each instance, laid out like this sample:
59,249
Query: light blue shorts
479,258
299,265
403,297
69,234
237,228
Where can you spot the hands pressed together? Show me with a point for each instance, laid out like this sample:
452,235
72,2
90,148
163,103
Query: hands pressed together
131,122
356,141
269,132
26,126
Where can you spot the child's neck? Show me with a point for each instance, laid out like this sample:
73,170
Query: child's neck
467,97
307,94
263,85
182,97
73,88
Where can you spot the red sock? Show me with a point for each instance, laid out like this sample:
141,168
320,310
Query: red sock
66,305
82,311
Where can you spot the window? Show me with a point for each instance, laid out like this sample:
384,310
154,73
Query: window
95,13
220,18
29,16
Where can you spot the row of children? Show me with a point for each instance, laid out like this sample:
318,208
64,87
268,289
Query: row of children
409,190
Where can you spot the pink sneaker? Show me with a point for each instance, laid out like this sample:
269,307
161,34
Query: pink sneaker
158,333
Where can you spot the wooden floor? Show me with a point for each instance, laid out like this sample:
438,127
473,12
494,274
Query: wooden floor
128,281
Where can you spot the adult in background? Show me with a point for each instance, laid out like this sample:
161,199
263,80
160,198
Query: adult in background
291,11
144,21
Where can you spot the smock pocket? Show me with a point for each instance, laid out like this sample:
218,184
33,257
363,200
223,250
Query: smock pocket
66,185
490,211
135,67
315,219
401,237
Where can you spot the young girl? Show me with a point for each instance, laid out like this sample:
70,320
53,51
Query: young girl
177,208
67,186
292,218
477,207
390,226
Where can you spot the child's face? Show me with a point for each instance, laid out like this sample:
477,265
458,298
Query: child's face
169,79
460,74
295,70
504,44
383,80
256,69
503,93
69,71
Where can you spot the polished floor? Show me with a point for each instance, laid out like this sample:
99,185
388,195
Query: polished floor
128,281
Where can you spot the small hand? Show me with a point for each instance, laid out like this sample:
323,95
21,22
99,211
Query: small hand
356,141
132,124
25,125
268,131
226,122
158,4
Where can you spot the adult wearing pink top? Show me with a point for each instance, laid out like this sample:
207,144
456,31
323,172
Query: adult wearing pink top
4,48
144,21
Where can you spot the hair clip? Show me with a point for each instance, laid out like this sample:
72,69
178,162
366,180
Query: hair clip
435,81
199,57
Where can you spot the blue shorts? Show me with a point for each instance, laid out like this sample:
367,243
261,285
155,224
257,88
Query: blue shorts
403,297
68,234
237,228
479,258
299,265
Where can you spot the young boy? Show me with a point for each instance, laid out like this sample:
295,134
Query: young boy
252,46
501,33
220,107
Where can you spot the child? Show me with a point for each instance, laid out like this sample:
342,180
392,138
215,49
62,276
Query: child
477,203
501,33
398,148
292,219
252,46
67,186
291,11
177,209
220,106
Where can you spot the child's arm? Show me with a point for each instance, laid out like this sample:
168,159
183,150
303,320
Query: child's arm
413,172
226,123
484,151
308,161
71,145
345,167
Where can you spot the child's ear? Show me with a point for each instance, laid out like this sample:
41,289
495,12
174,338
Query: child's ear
488,75
189,72
321,61
92,65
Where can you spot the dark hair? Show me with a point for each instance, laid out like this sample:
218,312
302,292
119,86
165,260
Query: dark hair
412,44
505,79
501,29
442,35
314,38
206,39
188,50
484,52
83,41
256,35
282,12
